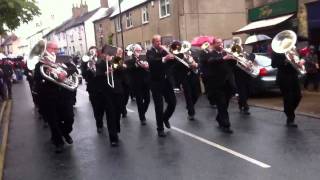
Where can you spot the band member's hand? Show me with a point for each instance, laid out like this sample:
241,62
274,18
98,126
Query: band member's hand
124,65
169,57
145,65
62,76
301,62
194,65
228,57
110,69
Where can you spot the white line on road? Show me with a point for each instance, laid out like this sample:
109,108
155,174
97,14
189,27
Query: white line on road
239,155
251,160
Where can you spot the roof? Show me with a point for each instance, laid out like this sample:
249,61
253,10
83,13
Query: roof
108,13
127,5
72,22
81,19
263,24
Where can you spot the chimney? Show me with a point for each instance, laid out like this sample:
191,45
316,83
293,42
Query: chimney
79,11
104,4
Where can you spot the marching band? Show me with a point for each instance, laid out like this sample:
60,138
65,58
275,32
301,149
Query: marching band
110,77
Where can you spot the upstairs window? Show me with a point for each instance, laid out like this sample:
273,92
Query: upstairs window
129,19
164,8
118,24
145,15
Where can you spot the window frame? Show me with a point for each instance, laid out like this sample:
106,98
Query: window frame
129,19
118,24
144,15
166,4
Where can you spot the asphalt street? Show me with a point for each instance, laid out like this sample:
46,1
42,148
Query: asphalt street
261,147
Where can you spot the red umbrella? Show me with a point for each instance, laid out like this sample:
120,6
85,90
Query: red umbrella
198,41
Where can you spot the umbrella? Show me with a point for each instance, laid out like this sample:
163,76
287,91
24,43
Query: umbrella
198,41
256,38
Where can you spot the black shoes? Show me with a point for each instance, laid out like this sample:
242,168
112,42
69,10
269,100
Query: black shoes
161,134
68,139
143,122
59,148
226,130
167,124
244,111
191,118
292,125
99,130
114,143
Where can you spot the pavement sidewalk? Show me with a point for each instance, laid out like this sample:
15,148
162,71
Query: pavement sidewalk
309,105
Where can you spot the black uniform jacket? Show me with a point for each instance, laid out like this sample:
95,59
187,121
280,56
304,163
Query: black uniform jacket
137,74
159,70
220,71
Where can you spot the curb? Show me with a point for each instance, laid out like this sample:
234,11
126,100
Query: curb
281,109
4,120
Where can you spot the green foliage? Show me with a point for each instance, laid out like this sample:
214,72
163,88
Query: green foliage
15,12
110,39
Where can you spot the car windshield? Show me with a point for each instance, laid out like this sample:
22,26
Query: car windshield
263,60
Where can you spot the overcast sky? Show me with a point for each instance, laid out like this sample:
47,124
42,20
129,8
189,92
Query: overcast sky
54,12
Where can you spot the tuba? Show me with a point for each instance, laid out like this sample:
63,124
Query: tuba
49,69
236,51
284,42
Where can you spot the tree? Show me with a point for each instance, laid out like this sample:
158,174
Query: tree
15,12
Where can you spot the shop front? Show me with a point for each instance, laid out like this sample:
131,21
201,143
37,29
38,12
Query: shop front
271,18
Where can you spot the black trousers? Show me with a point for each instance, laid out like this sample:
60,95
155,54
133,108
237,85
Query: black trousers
222,94
142,93
205,80
125,98
191,90
163,89
243,87
116,109
291,92
59,114
102,103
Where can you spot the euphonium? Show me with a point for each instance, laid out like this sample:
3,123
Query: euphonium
284,42
49,69
236,51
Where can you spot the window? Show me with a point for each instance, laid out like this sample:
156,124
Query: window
118,24
100,28
129,19
164,8
145,15
79,33
147,44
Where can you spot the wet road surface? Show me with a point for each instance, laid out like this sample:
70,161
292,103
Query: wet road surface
262,147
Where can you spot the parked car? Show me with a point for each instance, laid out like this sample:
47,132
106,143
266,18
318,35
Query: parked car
266,80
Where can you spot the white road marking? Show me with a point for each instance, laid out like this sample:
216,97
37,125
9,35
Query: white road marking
86,93
230,151
239,155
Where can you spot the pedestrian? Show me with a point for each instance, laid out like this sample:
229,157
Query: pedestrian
312,67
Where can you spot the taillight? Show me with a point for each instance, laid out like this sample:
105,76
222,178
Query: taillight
263,72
